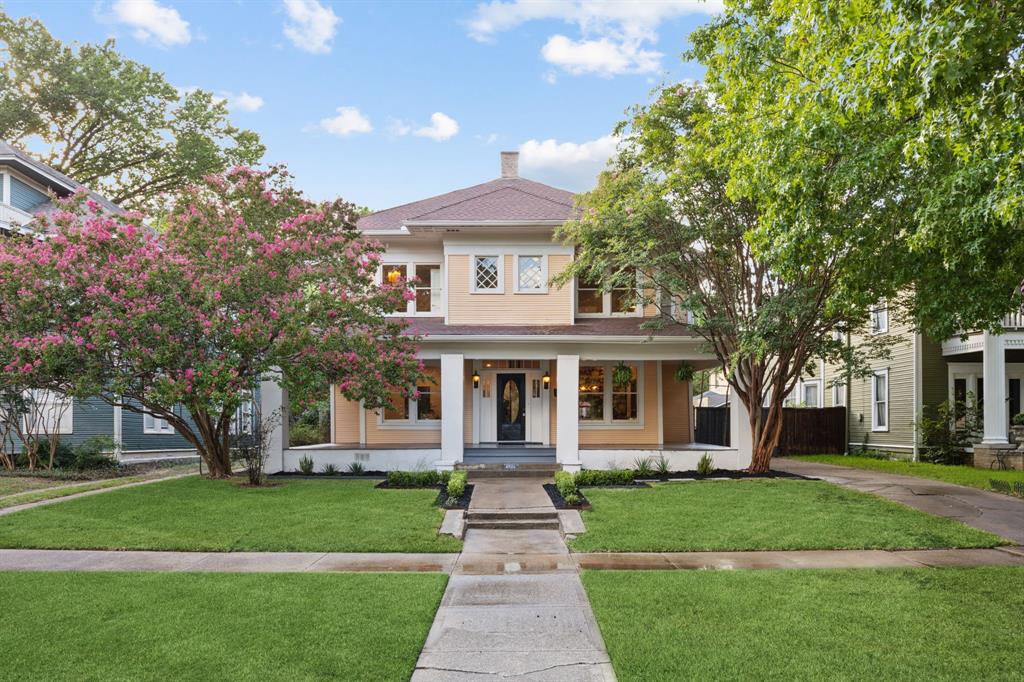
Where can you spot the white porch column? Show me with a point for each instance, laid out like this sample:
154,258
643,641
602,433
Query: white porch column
452,409
740,437
994,372
567,447
272,398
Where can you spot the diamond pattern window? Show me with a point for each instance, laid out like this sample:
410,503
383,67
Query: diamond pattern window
487,273
531,273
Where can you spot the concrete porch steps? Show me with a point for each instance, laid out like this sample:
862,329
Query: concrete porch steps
513,520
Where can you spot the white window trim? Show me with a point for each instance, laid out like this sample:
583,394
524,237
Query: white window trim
803,394
410,271
874,400
606,303
875,309
839,395
608,423
413,422
65,426
501,273
543,273
160,427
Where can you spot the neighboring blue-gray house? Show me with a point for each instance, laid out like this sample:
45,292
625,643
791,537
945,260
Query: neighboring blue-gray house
26,189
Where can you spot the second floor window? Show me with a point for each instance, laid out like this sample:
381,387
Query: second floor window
880,400
879,318
839,394
592,300
487,274
427,285
531,276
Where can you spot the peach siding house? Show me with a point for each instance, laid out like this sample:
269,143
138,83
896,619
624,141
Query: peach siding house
521,371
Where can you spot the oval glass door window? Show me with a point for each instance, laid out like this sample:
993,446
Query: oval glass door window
511,400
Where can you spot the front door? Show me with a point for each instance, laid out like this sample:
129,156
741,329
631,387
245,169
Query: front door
511,407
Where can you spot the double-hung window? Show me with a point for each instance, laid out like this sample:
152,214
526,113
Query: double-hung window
879,318
594,301
423,408
880,400
156,426
603,400
488,275
426,286
838,394
811,393
531,274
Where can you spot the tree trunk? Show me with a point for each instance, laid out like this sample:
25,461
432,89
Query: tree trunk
218,460
765,434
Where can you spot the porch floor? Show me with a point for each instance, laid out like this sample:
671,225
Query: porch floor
508,453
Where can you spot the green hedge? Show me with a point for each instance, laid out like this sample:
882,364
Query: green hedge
599,477
418,479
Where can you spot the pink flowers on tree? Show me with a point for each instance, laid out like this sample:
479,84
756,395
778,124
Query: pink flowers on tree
241,276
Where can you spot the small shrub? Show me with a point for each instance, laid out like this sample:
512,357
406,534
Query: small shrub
705,465
643,466
662,466
303,434
94,453
418,479
1018,419
571,498
946,430
306,465
599,477
329,469
63,457
356,469
565,482
456,486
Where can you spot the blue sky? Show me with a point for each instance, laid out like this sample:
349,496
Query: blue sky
384,103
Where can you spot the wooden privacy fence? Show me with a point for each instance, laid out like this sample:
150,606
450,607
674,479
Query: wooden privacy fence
805,430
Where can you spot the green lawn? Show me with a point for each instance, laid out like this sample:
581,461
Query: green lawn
196,514
15,490
961,475
760,515
857,624
207,626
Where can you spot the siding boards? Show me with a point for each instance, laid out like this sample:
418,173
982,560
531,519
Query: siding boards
554,307
133,437
677,405
900,364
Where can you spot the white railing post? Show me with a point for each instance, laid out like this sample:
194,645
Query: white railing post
996,429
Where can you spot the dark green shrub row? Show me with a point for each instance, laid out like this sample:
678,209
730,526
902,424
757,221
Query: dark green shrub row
598,477
418,479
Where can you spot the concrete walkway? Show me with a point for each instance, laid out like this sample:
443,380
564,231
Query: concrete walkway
992,512
87,493
515,605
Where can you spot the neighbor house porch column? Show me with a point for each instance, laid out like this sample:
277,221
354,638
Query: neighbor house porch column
567,385
452,409
994,392
274,413
740,437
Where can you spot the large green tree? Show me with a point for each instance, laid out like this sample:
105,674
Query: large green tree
111,123
890,129
663,213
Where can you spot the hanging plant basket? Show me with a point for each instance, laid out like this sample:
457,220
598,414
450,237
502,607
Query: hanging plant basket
685,372
622,374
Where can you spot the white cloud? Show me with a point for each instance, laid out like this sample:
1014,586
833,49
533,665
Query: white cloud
603,57
152,22
550,77
243,101
398,127
348,121
310,26
442,127
571,165
614,34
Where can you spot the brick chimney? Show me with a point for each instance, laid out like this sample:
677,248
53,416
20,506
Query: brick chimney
510,164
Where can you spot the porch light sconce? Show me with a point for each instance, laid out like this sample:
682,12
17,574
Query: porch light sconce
547,381
476,380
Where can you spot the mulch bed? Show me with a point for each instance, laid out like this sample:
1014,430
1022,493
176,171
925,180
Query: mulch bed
298,475
559,501
442,494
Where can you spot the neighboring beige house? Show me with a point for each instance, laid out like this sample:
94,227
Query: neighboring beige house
883,409
522,371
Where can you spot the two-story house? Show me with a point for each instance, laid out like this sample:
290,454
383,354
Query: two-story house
27,188
519,370
884,408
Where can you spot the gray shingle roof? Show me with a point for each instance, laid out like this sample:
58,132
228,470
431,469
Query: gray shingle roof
35,167
505,199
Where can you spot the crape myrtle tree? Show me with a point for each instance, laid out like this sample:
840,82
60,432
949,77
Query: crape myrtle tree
244,276
912,109
662,213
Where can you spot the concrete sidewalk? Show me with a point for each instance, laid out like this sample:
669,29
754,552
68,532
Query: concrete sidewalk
992,512
515,605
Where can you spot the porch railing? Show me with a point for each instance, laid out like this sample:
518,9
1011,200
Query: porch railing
1014,321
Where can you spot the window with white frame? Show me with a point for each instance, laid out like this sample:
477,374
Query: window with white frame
811,393
593,301
49,413
422,408
531,275
426,285
879,318
488,275
241,423
839,394
602,400
155,426
880,400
